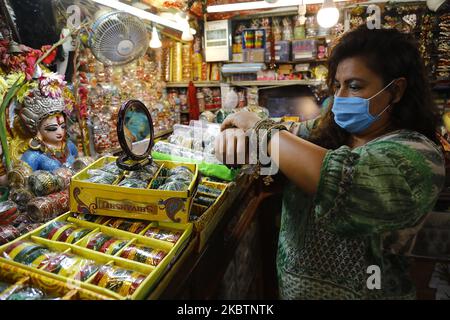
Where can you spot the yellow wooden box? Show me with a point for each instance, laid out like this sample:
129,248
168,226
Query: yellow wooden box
19,277
153,274
209,220
132,203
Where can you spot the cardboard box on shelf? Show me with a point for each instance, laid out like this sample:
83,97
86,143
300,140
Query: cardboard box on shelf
304,50
282,51
254,55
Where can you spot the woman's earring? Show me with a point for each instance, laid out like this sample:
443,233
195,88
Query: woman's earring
35,143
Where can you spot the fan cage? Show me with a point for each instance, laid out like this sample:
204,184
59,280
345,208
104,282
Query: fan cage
118,38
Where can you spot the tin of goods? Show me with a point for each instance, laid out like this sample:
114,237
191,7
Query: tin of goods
127,225
8,212
8,233
143,254
43,183
163,234
21,197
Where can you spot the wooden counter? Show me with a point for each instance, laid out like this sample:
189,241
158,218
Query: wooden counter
198,274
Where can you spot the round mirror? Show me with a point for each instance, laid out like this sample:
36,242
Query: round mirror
135,131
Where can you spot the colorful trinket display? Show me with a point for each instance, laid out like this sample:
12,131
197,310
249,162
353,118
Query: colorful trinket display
163,234
143,254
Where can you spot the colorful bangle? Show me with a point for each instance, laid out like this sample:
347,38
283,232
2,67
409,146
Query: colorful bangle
77,234
57,235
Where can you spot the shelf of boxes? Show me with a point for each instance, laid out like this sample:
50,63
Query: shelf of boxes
196,83
277,83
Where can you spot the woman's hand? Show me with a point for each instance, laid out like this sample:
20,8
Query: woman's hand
232,145
243,120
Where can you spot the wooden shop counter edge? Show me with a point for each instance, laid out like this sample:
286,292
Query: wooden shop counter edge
241,206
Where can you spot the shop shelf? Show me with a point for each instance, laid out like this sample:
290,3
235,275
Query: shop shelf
277,83
196,83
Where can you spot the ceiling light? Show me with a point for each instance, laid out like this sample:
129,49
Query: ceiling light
155,43
242,6
328,15
115,4
187,34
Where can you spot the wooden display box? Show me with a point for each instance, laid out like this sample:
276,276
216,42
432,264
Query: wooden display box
143,204
19,277
209,220
153,274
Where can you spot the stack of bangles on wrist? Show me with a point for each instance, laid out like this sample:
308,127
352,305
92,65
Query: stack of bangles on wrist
266,127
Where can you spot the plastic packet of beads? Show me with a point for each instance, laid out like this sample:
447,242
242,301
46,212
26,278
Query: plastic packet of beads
143,254
132,226
112,168
26,293
69,265
209,190
180,176
64,232
177,151
204,201
174,186
122,281
156,183
167,235
101,177
101,242
91,218
180,170
133,183
140,175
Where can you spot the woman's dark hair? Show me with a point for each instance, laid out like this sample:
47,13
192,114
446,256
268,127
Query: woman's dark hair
390,54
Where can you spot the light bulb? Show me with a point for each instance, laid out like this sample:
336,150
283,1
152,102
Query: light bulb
328,15
187,34
155,42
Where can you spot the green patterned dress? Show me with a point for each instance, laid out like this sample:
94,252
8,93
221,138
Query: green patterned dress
369,203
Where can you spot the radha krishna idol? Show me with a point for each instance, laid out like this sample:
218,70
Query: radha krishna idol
44,117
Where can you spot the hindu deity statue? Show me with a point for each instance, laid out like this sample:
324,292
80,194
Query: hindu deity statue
45,118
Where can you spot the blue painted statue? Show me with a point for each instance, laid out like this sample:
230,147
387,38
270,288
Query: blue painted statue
45,119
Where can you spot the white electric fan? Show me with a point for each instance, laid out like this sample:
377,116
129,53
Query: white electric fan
118,38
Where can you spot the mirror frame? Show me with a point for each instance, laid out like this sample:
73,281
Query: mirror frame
121,131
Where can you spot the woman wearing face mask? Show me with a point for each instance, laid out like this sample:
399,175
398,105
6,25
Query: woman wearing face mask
362,177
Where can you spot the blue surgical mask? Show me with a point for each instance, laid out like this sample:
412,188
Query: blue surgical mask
353,114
